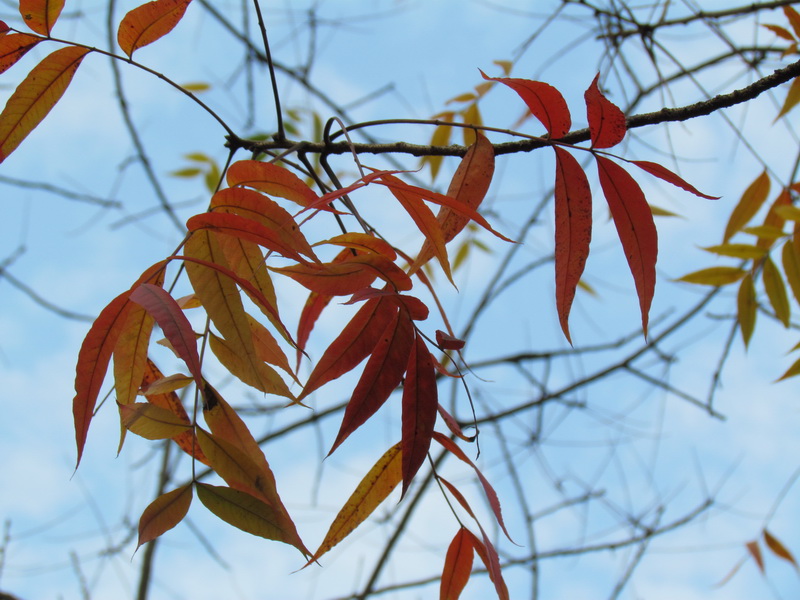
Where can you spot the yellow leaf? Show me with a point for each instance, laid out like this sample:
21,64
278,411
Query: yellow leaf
268,380
662,212
765,232
36,96
776,291
505,65
790,213
164,513
737,250
40,15
168,384
382,478
466,97
752,199
197,86
791,268
441,137
792,98
471,116
746,308
151,422
716,276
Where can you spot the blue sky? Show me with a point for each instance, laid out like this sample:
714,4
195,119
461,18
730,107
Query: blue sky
78,257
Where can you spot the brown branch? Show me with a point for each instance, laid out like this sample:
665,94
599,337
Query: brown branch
665,115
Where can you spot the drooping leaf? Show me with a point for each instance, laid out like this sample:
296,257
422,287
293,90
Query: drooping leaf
173,323
469,186
635,227
491,495
776,291
151,422
664,173
746,308
457,566
746,251
573,231
312,309
37,95
607,124
753,199
271,179
441,137
445,341
716,276
382,374
790,259
373,489
267,347
40,15
794,19
792,98
544,101
356,341
755,551
164,513
778,549
420,403
149,22
248,369
14,46
244,512
491,561
775,218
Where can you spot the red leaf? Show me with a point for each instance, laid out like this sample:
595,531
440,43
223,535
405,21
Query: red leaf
491,495
452,424
149,22
607,124
490,558
347,277
664,173
573,206
315,304
382,374
40,15
173,323
13,47
635,227
544,101
271,179
445,341
35,97
420,402
354,344
457,566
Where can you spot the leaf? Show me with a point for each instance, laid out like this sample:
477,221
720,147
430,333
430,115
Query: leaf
165,385
607,124
149,22
441,137
468,187
716,276
364,243
244,512
173,323
312,309
164,513
776,291
780,32
40,15
356,341
544,101
794,19
14,46
267,347
573,231
792,371
382,374
754,551
778,548
746,308
457,566
349,276
471,115
151,422
37,95
792,98
746,251
445,341
664,173
420,403
491,495
752,200
255,373
271,179
635,227
373,489
491,560
790,259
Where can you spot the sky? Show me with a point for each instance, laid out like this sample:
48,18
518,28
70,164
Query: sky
641,445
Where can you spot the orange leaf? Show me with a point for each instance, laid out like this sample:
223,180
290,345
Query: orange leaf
635,227
778,548
164,513
149,22
382,374
362,242
573,206
37,95
468,187
792,98
13,47
245,512
420,403
347,277
271,179
491,560
607,124
794,19
356,341
151,422
312,309
755,552
457,566
376,485
544,101
752,199
40,15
